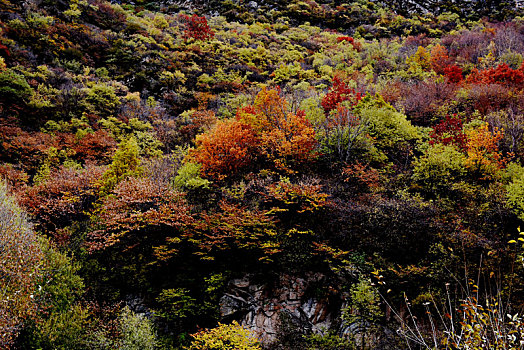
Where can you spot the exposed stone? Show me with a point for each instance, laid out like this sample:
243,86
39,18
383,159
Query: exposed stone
261,307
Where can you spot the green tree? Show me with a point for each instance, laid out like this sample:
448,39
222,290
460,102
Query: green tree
515,194
126,162
439,168
137,332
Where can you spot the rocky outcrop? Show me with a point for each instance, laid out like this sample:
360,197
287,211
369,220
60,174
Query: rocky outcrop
264,308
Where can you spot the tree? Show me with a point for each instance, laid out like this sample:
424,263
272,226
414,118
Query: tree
420,60
449,132
126,162
137,332
225,337
439,59
502,74
21,259
439,167
14,88
286,139
338,93
343,133
227,150
483,156
196,27
235,230
65,197
62,322
138,210
453,73
515,194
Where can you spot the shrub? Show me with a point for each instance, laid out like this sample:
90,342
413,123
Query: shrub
137,332
225,337
196,27
226,150
21,259
439,168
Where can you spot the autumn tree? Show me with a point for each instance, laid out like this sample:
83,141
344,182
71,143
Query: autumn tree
339,92
502,74
196,27
420,60
126,162
225,337
453,73
235,231
449,132
439,59
21,259
226,150
137,206
343,132
65,197
484,158
285,138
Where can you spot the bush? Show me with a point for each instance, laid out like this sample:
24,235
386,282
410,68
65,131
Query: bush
438,169
137,332
225,337
21,258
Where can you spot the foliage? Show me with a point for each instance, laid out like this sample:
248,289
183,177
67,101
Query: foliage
135,205
285,138
232,336
439,167
236,229
62,323
515,194
449,132
226,150
188,177
338,93
503,74
21,269
329,341
65,197
126,162
483,156
196,27
14,87
388,129
166,147
137,331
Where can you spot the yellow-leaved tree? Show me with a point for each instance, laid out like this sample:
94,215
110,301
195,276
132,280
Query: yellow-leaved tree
225,337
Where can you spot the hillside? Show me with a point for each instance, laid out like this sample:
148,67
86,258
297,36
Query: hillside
248,175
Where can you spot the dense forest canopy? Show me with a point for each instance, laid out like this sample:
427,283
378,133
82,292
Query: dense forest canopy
261,174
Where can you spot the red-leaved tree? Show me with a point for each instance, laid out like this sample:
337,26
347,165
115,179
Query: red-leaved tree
196,27
449,131
339,92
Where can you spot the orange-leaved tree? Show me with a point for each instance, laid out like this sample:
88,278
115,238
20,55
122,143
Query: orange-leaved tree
285,138
439,59
483,155
229,148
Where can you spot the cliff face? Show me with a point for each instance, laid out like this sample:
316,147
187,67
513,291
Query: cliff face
292,307
266,309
